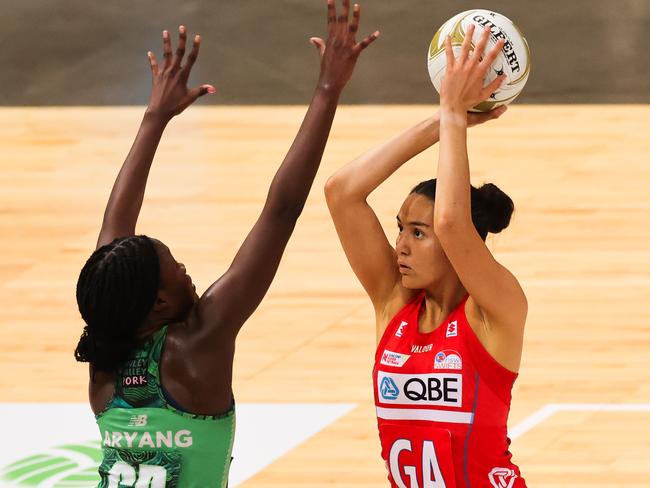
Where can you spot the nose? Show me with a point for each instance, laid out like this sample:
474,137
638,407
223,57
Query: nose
183,267
401,246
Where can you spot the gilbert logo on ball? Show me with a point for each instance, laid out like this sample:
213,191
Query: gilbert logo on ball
513,60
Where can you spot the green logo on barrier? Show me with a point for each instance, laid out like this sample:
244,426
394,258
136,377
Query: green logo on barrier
69,466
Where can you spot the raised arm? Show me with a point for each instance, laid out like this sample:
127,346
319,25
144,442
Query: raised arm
494,289
364,242
229,302
169,97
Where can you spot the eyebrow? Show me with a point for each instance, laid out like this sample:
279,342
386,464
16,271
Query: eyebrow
415,223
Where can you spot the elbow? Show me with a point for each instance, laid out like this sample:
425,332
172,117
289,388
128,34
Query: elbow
332,188
333,191
339,191
443,223
447,225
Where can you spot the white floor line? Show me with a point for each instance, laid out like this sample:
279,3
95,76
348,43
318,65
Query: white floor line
533,420
548,410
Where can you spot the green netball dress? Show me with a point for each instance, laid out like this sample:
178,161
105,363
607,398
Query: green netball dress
147,442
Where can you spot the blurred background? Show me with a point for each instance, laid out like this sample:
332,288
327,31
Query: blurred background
572,152
85,52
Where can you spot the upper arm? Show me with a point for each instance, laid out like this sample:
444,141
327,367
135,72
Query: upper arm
494,289
229,301
364,242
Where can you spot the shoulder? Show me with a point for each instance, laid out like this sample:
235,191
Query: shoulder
399,299
192,347
502,340
514,320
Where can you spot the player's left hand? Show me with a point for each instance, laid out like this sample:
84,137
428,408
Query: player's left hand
477,118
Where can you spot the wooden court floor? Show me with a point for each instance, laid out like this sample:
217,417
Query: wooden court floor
579,243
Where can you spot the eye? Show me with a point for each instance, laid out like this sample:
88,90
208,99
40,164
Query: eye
400,228
418,233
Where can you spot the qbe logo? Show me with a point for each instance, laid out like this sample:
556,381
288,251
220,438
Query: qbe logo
440,389
388,389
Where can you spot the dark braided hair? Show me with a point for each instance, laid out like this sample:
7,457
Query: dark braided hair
491,207
117,288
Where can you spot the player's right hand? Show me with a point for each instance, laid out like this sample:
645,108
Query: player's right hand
462,86
169,92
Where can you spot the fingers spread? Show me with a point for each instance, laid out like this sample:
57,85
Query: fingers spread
342,19
153,62
367,41
180,49
449,52
467,43
493,87
356,15
492,55
319,43
167,49
191,58
331,16
480,47
199,91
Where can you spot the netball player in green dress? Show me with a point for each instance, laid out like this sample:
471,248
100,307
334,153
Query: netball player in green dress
160,356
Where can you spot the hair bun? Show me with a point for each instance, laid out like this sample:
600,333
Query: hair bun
498,207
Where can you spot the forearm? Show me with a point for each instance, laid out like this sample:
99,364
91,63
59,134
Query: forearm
453,205
126,197
360,177
293,180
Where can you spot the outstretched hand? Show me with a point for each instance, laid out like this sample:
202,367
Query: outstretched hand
169,92
340,52
462,86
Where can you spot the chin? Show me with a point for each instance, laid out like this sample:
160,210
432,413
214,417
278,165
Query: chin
410,284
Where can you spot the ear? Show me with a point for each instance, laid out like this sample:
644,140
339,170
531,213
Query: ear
161,303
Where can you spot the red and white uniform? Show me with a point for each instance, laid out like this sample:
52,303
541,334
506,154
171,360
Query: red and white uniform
442,405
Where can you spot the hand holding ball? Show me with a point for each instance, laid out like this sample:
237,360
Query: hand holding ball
513,61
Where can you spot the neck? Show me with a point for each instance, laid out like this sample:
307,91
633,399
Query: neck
440,301
150,327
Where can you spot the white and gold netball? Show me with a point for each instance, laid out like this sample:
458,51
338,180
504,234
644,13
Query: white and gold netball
513,60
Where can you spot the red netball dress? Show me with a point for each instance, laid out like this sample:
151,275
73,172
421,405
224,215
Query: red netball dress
442,405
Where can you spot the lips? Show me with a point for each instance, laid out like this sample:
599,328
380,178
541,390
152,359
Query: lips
403,267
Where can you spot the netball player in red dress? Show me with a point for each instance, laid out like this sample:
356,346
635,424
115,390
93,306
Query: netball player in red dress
450,318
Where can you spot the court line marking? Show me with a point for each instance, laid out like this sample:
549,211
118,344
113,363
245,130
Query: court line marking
550,409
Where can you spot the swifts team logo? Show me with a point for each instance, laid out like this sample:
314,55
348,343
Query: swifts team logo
448,359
